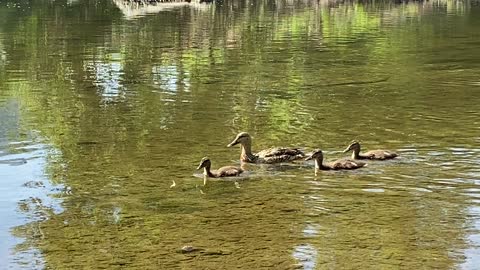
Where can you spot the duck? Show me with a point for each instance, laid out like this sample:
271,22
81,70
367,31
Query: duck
226,171
340,164
269,156
373,154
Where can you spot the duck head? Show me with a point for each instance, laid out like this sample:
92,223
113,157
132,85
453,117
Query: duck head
316,154
354,145
204,163
242,138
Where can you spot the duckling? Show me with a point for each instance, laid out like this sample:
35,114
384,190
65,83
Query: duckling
373,154
227,171
271,155
341,164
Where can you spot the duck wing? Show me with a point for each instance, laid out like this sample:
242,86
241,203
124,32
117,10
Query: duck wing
346,164
380,154
228,171
280,154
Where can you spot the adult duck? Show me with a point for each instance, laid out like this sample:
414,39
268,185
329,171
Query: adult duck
227,171
341,164
271,155
373,154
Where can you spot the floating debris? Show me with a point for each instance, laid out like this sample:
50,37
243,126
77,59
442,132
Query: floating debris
188,249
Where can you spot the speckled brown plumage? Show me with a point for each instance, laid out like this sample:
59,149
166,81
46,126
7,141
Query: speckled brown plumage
341,164
271,155
373,154
226,171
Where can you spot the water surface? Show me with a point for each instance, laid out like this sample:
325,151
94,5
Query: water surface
103,107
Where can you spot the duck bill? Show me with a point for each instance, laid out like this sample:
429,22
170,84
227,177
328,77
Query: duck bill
235,142
308,158
346,150
200,166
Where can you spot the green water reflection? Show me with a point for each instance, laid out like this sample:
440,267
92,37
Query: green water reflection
129,104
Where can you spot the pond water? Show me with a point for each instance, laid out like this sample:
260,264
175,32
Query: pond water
103,107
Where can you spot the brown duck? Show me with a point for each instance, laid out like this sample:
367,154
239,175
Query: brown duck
271,155
373,154
227,171
341,164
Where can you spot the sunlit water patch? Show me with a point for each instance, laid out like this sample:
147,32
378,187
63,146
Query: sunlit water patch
133,10
306,256
26,192
26,200
107,77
